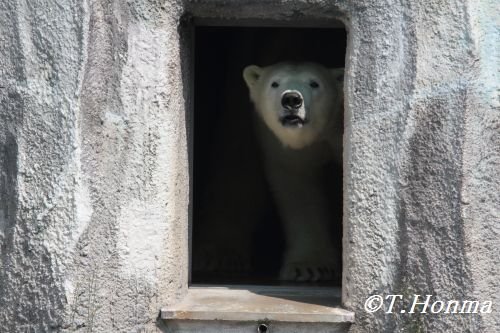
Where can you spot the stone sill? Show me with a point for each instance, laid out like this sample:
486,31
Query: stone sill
260,303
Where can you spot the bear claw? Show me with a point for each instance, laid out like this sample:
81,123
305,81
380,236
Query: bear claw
307,273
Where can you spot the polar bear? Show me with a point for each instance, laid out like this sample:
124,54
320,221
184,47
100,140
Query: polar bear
300,132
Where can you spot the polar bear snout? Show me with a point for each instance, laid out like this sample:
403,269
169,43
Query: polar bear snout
292,100
293,113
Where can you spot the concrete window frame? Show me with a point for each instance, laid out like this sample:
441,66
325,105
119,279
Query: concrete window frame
196,306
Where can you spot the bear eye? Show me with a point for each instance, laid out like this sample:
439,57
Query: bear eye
275,84
314,84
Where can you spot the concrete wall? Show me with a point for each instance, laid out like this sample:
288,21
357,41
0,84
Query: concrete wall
94,182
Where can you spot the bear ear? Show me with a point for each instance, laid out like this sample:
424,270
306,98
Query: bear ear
251,75
338,74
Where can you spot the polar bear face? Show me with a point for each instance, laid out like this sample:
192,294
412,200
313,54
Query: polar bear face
297,102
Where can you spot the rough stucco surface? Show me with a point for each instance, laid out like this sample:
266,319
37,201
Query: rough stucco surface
94,165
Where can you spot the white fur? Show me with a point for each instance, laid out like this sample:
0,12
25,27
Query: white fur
295,156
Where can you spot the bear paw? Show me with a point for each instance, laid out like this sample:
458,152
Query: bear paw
224,262
306,271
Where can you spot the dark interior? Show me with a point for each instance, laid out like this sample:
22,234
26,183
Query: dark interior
237,234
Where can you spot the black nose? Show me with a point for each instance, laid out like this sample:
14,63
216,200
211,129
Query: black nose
291,100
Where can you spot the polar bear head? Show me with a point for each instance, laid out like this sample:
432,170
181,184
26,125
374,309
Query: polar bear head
296,101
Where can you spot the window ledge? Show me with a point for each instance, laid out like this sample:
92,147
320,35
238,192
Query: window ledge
260,303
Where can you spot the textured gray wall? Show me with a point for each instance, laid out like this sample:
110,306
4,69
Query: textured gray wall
94,163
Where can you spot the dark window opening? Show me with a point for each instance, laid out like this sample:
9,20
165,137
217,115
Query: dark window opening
237,233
